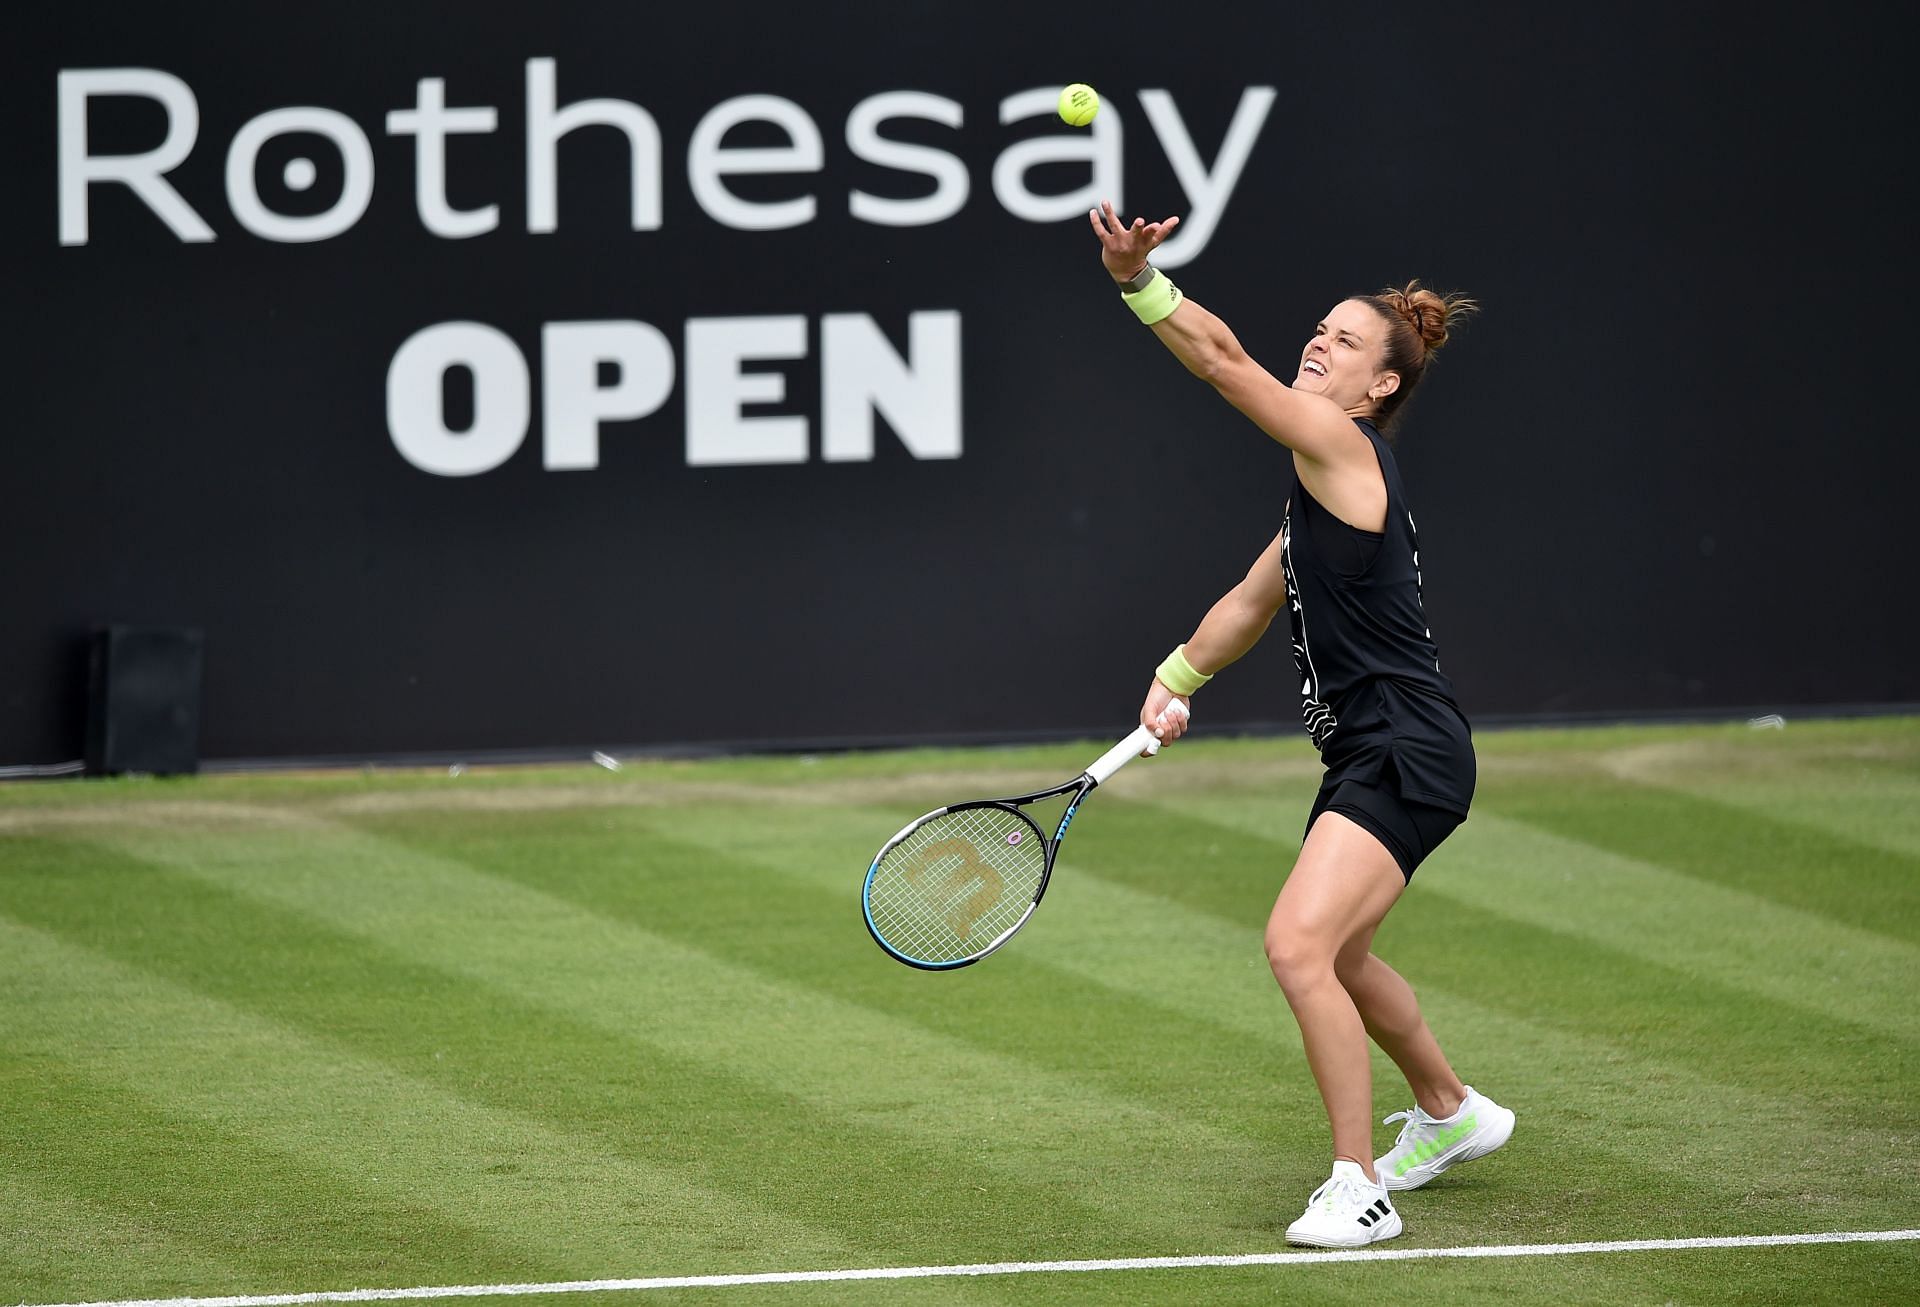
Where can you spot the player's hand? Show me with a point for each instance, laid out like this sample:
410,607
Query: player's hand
1165,713
1125,249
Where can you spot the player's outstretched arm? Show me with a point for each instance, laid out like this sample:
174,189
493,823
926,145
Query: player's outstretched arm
1310,425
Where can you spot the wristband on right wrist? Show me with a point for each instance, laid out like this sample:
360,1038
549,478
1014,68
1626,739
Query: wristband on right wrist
1178,675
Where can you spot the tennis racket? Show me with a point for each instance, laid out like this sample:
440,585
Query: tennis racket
956,884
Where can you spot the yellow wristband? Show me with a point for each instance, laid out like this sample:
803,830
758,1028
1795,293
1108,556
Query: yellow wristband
1159,299
1177,674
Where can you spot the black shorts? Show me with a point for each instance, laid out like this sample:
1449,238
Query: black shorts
1409,830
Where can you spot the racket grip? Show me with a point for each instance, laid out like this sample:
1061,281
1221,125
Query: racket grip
1123,753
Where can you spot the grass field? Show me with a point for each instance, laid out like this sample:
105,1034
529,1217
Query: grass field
299,1033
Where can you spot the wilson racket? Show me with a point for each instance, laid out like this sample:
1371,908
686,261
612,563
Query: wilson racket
957,883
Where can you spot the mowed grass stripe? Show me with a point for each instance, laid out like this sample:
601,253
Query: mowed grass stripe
1855,779
274,1217
1789,955
1720,935
368,1135
1880,812
1790,863
912,1103
1258,1084
746,1149
60,1246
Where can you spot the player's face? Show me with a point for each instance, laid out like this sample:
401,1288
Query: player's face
1342,359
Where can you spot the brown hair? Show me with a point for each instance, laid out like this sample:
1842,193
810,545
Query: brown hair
1418,322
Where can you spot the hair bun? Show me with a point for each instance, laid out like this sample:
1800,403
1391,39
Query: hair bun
1429,313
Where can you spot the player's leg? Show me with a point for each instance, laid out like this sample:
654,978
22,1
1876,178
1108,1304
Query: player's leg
1339,889
1450,1122
1342,885
1392,1016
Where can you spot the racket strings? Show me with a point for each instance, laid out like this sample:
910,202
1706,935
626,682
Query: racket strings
956,883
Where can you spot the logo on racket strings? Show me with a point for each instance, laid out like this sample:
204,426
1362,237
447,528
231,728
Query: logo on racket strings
959,887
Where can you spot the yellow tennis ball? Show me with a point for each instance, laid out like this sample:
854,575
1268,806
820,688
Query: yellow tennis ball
1078,104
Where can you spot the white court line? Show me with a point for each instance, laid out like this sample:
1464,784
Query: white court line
1013,1268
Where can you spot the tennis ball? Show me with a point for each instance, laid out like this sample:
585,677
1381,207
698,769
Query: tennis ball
1078,104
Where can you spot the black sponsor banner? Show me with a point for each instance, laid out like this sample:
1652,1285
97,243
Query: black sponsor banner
627,375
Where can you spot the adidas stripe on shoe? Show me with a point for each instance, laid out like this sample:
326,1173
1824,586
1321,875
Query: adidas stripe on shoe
1427,1145
1348,1211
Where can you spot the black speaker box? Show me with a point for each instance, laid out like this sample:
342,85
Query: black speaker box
143,704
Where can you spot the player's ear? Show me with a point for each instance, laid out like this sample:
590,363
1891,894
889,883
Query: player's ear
1383,385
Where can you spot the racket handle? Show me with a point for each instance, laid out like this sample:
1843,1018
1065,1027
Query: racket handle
1123,753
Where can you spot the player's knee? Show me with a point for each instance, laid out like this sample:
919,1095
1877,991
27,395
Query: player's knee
1299,960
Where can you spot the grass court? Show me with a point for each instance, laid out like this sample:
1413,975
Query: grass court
283,1034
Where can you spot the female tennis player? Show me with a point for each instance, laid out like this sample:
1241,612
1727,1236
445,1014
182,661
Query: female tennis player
1398,753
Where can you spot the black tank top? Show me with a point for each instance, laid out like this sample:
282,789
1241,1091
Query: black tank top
1372,693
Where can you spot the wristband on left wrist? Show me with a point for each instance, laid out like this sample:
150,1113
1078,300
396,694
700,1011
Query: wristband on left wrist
1158,300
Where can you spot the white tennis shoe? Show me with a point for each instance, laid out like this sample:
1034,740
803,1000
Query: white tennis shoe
1427,1145
1348,1211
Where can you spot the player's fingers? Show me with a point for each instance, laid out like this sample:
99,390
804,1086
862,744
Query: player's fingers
1176,716
1099,228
